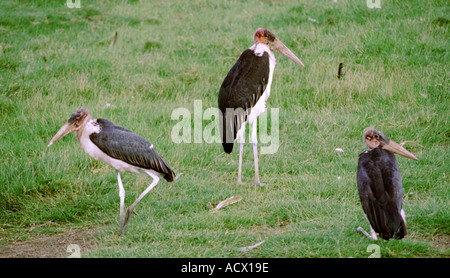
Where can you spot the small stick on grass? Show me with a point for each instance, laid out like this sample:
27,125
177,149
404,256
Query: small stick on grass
339,75
113,42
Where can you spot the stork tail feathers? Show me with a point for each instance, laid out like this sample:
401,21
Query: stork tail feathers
228,147
169,173
227,134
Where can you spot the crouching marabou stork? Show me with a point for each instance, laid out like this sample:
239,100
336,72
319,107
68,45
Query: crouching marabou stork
244,92
120,148
380,186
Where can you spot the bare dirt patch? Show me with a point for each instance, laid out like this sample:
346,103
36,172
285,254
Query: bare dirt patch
52,246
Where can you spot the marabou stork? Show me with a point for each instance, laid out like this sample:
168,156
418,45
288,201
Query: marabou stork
244,92
380,186
124,150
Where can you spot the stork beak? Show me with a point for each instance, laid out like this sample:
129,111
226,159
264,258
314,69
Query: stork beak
278,46
63,131
396,148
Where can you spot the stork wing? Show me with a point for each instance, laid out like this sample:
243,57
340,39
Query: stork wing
125,145
376,188
241,90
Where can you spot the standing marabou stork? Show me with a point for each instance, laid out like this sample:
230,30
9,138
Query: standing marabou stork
380,186
244,92
120,148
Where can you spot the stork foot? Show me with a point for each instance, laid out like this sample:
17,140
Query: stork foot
260,184
372,236
126,219
240,182
127,216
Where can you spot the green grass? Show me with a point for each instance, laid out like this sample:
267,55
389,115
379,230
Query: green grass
54,60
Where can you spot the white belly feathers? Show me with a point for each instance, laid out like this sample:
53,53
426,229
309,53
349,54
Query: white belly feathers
260,105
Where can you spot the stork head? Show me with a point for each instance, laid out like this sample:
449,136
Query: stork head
264,36
76,122
376,139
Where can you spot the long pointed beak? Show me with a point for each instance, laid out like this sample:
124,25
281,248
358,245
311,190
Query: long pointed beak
63,131
282,49
396,148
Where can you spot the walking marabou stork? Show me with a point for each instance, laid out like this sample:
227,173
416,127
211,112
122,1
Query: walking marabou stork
380,186
244,92
120,148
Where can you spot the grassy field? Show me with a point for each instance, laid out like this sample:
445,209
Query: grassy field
54,59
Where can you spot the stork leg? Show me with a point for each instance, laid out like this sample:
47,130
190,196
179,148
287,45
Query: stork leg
402,213
372,236
122,201
255,152
241,149
130,209
240,139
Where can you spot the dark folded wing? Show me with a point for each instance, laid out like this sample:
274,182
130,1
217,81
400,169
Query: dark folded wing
374,179
124,145
240,91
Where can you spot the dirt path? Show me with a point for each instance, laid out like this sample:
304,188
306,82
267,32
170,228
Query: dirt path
71,243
